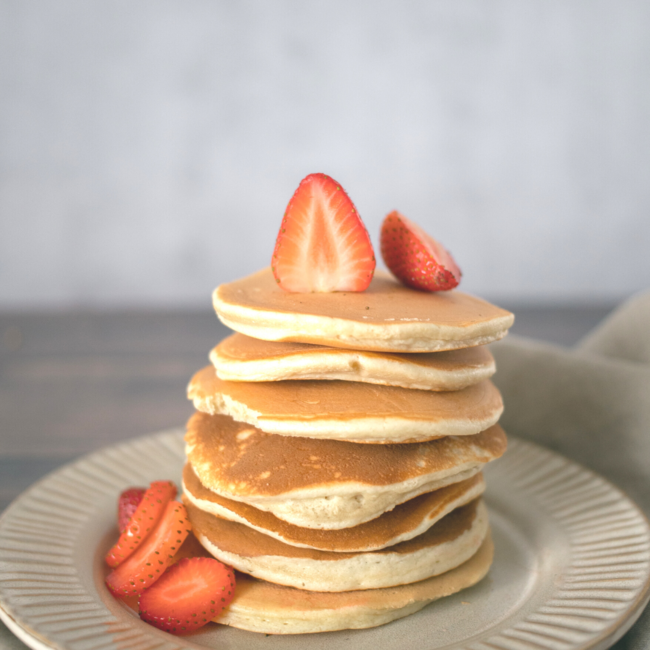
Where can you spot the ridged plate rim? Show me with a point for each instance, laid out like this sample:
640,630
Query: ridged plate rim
43,598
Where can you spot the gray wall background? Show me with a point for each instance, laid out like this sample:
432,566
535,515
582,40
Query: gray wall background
148,148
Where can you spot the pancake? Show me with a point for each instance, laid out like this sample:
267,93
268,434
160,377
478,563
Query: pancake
327,484
242,358
267,608
388,316
350,411
446,545
404,522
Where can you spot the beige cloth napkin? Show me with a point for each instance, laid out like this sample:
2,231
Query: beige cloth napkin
591,403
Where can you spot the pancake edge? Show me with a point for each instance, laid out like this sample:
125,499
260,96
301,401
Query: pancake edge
255,607
341,333
363,430
373,570
325,509
359,367
218,510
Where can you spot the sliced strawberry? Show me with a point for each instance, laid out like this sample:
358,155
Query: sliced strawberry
415,258
154,555
127,504
322,245
189,595
144,520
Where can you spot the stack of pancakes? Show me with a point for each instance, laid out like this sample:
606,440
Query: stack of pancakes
335,456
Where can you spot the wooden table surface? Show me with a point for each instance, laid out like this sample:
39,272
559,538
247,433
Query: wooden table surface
73,382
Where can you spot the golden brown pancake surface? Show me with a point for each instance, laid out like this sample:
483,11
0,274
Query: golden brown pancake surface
243,358
237,459
240,347
403,522
269,608
352,411
447,544
387,316
238,539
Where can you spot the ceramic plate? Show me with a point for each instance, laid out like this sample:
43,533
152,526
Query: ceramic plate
571,568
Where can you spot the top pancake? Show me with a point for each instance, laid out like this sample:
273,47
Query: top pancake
243,358
386,317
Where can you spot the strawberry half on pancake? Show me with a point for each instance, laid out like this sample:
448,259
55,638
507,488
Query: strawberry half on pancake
415,258
322,245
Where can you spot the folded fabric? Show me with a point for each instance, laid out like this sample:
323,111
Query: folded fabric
590,403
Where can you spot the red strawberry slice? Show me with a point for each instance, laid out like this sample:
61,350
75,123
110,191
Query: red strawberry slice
153,556
322,245
127,504
415,258
189,595
143,521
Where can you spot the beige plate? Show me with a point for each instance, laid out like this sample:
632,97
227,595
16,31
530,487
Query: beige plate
571,570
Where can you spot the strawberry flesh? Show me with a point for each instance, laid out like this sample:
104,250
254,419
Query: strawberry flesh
153,556
127,504
190,594
415,258
143,521
322,245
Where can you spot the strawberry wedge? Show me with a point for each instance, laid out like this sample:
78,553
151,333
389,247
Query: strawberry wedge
414,257
153,556
322,245
143,521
